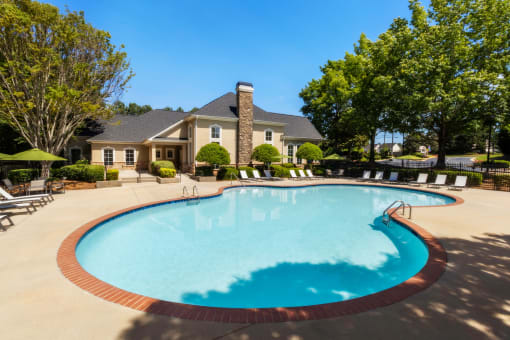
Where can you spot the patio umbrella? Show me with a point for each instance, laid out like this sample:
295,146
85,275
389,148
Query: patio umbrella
35,155
334,157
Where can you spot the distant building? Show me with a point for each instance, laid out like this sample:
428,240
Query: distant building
397,148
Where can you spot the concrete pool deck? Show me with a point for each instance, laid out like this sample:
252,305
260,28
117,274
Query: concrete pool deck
471,300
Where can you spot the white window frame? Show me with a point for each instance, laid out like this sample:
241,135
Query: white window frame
272,136
218,139
134,156
173,153
290,160
113,153
160,154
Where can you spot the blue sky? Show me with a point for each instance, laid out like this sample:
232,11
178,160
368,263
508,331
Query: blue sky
187,53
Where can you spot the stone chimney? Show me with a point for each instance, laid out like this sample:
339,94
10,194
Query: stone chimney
245,128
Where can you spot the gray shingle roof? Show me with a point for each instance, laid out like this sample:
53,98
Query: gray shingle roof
127,128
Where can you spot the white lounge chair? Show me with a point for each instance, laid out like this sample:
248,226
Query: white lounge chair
256,175
393,177
340,172
378,176
302,174
244,176
422,179
439,182
9,186
293,175
460,183
366,176
311,175
10,205
270,177
5,217
8,198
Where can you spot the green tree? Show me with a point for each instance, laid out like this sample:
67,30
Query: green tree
56,70
265,153
194,109
310,152
213,154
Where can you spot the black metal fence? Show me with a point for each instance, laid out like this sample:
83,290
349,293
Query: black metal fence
491,178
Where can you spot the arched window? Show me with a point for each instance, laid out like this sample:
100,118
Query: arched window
108,155
290,153
215,134
268,136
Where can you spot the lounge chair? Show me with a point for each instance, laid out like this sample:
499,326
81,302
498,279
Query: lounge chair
378,176
39,186
5,217
311,175
270,177
244,176
8,198
22,205
256,175
302,175
11,187
422,179
340,172
460,183
439,182
293,175
330,173
393,177
366,176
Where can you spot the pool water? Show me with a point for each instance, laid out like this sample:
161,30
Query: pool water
260,247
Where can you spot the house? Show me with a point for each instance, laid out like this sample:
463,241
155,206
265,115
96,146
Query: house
397,148
232,120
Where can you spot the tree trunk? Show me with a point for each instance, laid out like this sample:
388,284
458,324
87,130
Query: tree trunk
392,144
441,153
372,148
489,144
45,169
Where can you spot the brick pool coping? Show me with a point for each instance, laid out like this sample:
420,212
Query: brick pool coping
430,273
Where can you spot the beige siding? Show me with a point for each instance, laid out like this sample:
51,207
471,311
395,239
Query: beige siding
259,132
296,144
228,136
179,131
141,154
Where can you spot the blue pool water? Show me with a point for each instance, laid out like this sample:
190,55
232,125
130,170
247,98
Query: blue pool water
260,247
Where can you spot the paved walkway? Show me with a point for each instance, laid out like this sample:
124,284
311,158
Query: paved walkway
470,301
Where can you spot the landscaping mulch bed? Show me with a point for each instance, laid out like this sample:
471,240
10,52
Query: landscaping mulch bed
77,185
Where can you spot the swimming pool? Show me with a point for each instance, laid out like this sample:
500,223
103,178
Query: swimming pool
257,247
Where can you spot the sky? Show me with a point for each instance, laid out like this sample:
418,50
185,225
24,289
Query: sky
187,53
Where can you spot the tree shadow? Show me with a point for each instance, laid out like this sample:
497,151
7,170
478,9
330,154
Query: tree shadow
470,301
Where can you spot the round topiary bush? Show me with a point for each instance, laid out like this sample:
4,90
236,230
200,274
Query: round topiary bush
310,152
213,154
265,153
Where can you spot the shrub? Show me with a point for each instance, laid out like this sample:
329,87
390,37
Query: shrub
225,172
213,154
385,152
167,172
112,174
280,171
319,171
419,154
498,163
155,166
473,178
249,170
22,175
288,165
82,162
204,171
87,173
501,181
265,153
310,152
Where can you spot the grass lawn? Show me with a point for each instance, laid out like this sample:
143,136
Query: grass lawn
411,157
478,156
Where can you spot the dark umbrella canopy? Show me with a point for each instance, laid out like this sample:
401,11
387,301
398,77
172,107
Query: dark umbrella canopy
35,155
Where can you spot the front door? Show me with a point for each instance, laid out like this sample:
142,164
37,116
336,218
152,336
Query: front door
75,155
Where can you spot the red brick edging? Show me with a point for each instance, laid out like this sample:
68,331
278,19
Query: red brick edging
433,269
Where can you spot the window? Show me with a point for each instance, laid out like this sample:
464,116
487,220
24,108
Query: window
108,156
129,155
215,136
268,136
290,153
298,160
169,153
158,153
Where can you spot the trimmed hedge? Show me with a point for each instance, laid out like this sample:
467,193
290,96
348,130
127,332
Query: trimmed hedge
204,171
22,175
248,169
82,172
167,172
155,166
280,171
288,165
225,172
112,174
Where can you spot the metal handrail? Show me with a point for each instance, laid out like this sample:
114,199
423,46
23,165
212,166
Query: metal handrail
185,192
197,195
387,219
233,174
